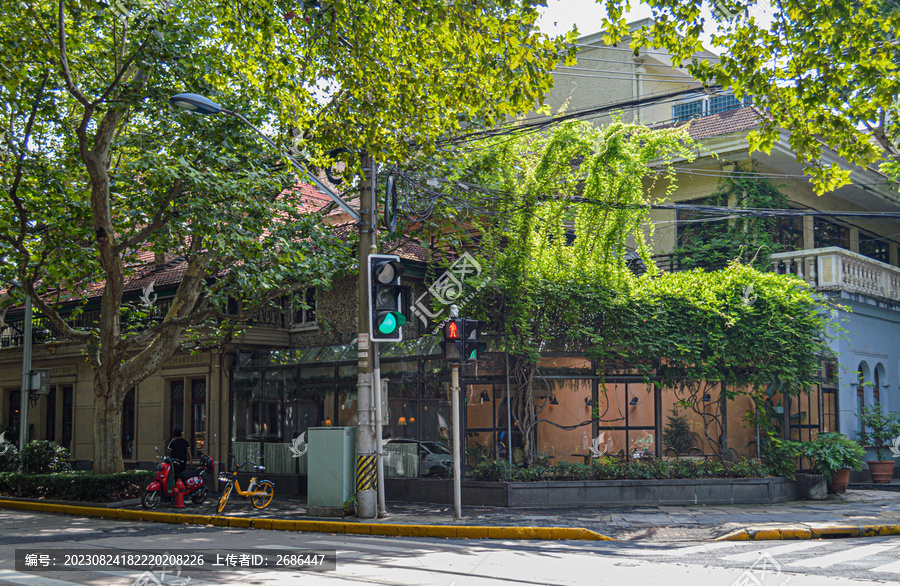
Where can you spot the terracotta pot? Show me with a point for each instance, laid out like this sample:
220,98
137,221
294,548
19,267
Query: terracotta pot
840,481
881,471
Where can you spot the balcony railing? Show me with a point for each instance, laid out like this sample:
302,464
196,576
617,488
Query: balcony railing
837,269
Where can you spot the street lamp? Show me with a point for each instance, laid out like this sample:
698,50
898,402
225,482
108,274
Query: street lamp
202,105
366,441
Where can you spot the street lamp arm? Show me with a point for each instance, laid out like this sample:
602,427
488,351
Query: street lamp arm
299,166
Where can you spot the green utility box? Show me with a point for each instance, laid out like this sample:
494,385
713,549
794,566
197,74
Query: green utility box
331,467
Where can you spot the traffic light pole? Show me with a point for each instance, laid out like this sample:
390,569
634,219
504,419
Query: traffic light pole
365,436
454,397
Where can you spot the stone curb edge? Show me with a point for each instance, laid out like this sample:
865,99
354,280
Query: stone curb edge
803,532
397,530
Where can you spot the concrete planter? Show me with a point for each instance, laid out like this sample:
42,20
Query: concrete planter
812,487
606,493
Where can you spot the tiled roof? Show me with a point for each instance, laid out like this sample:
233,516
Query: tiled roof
738,120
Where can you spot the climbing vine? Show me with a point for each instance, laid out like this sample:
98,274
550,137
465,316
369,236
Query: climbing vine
573,223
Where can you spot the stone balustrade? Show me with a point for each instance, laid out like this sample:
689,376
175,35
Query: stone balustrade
837,269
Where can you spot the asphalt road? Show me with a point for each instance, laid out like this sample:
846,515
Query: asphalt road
405,561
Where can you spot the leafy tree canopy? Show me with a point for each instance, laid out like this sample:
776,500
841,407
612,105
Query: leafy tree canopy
98,167
824,70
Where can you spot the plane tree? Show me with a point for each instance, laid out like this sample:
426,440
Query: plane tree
97,169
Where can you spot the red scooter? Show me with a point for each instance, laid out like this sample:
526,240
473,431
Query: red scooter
190,483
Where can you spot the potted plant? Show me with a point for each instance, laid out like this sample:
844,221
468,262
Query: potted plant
879,430
834,455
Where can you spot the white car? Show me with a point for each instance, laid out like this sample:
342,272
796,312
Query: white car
435,459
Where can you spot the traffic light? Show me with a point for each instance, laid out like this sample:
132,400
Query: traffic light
452,348
386,317
473,348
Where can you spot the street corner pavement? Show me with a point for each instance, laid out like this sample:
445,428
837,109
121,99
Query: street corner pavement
858,513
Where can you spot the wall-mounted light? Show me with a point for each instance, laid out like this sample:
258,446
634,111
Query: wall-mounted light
401,421
707,398
412,420
633,401
327,423
553,400
485,398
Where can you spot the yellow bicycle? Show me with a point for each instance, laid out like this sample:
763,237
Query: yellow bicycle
260,492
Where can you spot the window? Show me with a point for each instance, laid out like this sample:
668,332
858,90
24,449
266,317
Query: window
723,103
788,232
305,316
198,416
68,416
690,231
876,392
12,412
861,372
128,426
831,234
829,397
706,106
176,404
688,110
51,415
874,247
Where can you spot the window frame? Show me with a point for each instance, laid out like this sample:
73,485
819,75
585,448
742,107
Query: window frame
308,316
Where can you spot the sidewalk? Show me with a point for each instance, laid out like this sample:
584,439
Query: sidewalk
659,523
854,514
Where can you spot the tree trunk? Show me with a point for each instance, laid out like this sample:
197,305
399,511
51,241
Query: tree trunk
107,430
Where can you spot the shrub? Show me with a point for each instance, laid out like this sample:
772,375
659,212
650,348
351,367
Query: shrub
780,455
9,459
677,433
76,486
613,469
44,457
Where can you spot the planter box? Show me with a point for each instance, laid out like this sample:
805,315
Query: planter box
607,493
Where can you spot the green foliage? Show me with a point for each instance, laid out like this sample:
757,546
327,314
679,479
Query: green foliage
747,240
76,486
613,469
44,457
98,169
880,430
677,433
9,460
823,70
831,452
780,455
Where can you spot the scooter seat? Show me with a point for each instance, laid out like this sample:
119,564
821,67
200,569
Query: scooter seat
188,474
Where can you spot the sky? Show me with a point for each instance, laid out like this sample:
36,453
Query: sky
560,15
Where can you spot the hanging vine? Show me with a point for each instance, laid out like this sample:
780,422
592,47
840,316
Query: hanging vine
557,273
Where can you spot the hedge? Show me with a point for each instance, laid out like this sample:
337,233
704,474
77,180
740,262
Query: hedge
611,469
76,486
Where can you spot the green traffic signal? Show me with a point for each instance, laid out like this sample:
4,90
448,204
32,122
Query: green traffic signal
390,321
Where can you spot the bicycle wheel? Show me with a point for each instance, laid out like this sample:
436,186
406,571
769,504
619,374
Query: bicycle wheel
224,499
262,501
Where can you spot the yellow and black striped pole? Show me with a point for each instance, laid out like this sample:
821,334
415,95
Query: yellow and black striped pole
365,473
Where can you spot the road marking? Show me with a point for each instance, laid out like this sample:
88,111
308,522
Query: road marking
20,578
344,546
753,555
683,551
838,557
893,568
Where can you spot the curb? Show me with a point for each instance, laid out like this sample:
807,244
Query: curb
396,530
808,532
